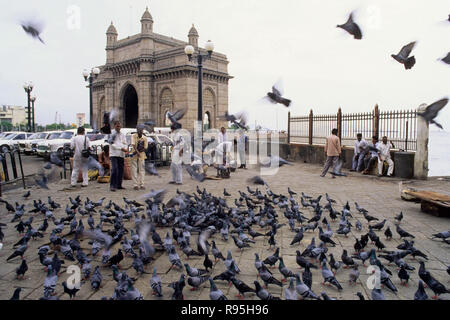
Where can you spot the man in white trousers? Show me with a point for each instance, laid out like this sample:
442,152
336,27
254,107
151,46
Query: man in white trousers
79,143
385,155
140,145
177,158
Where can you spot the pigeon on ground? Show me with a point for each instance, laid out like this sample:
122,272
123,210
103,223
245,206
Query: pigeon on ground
329,277
262,293
420,293
377,294
155,284
71,292
214,293
241,287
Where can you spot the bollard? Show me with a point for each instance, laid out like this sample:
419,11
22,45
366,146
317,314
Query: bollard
421,156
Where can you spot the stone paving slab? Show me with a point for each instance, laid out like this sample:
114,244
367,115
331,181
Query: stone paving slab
379,196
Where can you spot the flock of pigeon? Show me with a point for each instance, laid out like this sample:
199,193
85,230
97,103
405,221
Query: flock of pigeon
119,233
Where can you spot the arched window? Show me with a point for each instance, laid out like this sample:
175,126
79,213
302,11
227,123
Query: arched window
207,121
167,121
209,106
166,102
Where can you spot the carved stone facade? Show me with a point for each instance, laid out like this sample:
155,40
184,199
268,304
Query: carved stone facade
148,74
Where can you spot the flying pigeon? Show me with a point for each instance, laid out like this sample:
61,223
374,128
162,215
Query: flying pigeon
403,56
351,27
432,111
276,96
33,29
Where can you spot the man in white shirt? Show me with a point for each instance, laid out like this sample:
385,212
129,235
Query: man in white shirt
360,153
222,136
119,147
384,154
177,158
79,143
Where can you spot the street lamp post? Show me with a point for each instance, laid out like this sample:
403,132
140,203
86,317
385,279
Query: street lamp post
28,87
190,50
91,76
33,99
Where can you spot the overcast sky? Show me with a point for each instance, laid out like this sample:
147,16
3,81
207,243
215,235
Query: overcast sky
321,66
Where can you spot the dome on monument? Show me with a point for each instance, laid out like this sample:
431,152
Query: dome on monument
193,31
111,29
147,15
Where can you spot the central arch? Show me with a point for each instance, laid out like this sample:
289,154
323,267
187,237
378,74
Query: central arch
130,107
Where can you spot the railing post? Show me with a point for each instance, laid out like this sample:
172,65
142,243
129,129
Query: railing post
421,155
339,124
406,138
289,128
376,121
310,134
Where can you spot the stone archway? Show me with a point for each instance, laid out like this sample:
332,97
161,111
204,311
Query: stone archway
209,106
130,107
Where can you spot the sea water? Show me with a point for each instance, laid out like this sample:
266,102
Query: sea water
439,154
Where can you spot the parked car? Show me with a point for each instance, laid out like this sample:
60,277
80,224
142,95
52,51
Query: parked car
42,149
30,145
11,141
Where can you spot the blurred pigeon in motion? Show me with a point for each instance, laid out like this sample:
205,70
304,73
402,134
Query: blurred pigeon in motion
275,160
93,164
403,56
150,168
200,177
257,180
446,59
351,27
276,96
432,111
240,119
33,29
176,116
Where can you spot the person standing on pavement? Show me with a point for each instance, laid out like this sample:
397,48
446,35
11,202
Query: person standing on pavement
333,151
79,143
119,147
139,143
177,157
384,154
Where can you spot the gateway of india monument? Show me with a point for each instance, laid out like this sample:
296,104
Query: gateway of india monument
148,74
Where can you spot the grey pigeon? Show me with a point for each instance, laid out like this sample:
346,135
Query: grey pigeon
432,111
403,56
351,27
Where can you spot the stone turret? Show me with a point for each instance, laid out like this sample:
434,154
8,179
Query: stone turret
111,39
193,37
146,22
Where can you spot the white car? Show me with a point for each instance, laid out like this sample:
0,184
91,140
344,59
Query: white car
12,140
31,144
21,144
42,149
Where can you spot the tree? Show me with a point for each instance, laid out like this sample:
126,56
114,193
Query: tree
6,126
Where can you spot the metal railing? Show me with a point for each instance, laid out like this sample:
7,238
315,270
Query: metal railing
400,126
11,161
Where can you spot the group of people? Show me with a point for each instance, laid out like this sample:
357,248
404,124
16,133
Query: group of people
112,157
366,155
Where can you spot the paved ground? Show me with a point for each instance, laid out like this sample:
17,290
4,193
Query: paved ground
379,196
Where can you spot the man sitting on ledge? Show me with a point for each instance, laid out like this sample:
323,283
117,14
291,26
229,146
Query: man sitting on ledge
372,155
384,154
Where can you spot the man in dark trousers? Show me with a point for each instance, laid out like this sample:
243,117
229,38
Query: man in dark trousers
119,147
333,151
